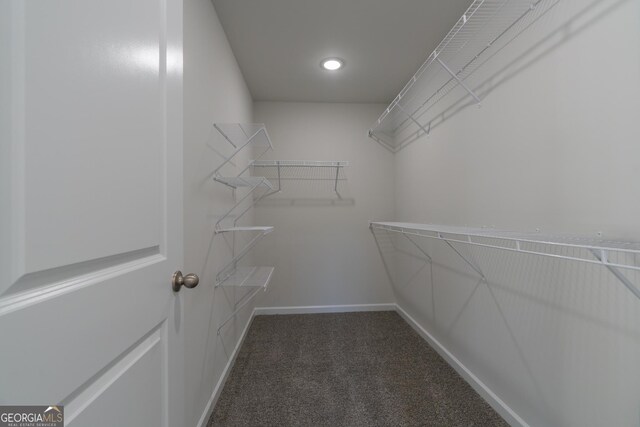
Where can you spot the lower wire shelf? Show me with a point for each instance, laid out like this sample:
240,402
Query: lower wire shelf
612,254
247,277
262,229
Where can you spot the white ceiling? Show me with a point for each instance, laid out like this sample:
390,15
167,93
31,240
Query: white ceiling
279,45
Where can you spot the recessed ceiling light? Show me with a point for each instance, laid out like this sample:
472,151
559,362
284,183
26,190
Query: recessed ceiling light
332,64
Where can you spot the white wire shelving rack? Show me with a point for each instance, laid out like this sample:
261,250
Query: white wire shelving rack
301,170
242,136
484,29
247,277
612,254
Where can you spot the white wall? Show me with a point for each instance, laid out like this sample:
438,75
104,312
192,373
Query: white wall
214,91
322,249
554,146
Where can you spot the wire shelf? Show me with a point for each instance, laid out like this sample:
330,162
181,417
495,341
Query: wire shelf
241,134
232,264
262,229
248,277
298,163
485,28
301,170
612,254
254,184
244,181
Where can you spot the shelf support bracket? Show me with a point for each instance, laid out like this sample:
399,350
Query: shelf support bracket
602,257
224,135
237,149
413,119
335,187
460,82
384,261
250,192
257,158
380,141
471,264
279,178
255,201
418,247
232,315
231,265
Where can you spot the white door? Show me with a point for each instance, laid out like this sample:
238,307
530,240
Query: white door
91,209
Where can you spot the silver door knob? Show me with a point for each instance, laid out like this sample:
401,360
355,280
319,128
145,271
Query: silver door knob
188,281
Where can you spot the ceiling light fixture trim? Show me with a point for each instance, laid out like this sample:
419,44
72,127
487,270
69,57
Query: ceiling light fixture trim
332,64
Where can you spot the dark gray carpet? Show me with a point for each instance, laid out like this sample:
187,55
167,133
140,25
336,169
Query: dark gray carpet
347,369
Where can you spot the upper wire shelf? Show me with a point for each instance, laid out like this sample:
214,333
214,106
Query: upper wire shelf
240,136
301,170
482,31
612,254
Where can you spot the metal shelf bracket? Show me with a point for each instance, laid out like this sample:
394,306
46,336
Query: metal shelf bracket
459,80
419,248
469,263
602,257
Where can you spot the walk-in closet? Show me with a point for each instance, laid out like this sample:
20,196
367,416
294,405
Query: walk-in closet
320,213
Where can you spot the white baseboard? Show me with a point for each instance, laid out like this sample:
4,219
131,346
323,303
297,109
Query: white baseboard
324,309
208,410
496,403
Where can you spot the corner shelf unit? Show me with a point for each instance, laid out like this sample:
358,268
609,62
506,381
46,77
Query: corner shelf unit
484,29
614,255
301,170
